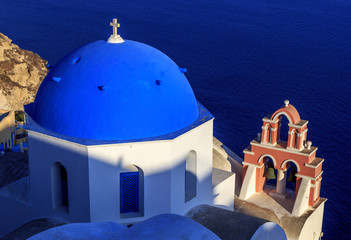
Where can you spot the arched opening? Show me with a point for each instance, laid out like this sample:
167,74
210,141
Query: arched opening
295,138
59,185
292,170
131,192
268,134
190,176
284,128
270,172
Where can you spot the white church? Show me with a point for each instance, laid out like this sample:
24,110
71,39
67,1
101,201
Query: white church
116,134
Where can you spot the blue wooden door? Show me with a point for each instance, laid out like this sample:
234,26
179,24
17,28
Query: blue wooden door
129,192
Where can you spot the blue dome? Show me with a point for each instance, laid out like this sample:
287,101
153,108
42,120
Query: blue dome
109,91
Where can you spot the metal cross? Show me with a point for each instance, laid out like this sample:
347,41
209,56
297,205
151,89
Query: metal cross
115,25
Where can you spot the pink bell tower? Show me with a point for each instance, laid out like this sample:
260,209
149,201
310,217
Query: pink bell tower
295,151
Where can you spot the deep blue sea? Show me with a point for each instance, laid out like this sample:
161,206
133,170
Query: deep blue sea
244,58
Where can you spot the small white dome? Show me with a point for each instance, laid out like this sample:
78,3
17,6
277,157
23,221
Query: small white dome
269,231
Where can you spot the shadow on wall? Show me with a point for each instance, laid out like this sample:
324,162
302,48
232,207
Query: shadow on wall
68,180
137,190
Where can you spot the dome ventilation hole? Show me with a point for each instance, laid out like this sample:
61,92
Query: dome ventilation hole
101,88
158,82
183,70
56,79
76,60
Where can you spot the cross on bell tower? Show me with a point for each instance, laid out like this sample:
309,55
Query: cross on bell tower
115,38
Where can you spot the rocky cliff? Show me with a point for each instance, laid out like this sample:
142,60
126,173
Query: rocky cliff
21,73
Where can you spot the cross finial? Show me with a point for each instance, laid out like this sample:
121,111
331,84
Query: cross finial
115,38
115,25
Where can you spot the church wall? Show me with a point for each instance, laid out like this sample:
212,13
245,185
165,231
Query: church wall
106,162
200,140
163,166
313,226
44,152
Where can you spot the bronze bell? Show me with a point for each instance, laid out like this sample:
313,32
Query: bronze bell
270,174
292,177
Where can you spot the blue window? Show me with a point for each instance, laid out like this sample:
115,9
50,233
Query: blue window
129,187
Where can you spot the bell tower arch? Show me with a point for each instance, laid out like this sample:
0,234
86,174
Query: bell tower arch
296,151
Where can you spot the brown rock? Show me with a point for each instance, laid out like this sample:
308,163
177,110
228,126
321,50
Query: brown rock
21,73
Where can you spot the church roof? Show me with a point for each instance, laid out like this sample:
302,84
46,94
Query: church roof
108,91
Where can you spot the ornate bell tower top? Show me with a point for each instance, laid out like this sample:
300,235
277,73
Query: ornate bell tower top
289,111
297,134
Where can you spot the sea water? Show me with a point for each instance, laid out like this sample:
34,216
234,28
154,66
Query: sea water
244,58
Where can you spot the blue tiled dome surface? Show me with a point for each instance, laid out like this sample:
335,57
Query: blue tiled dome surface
107,91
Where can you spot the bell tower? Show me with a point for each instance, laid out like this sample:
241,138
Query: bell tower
269,157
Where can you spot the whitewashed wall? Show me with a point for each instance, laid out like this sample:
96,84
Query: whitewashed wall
44,151
94,175
200,140
163,164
